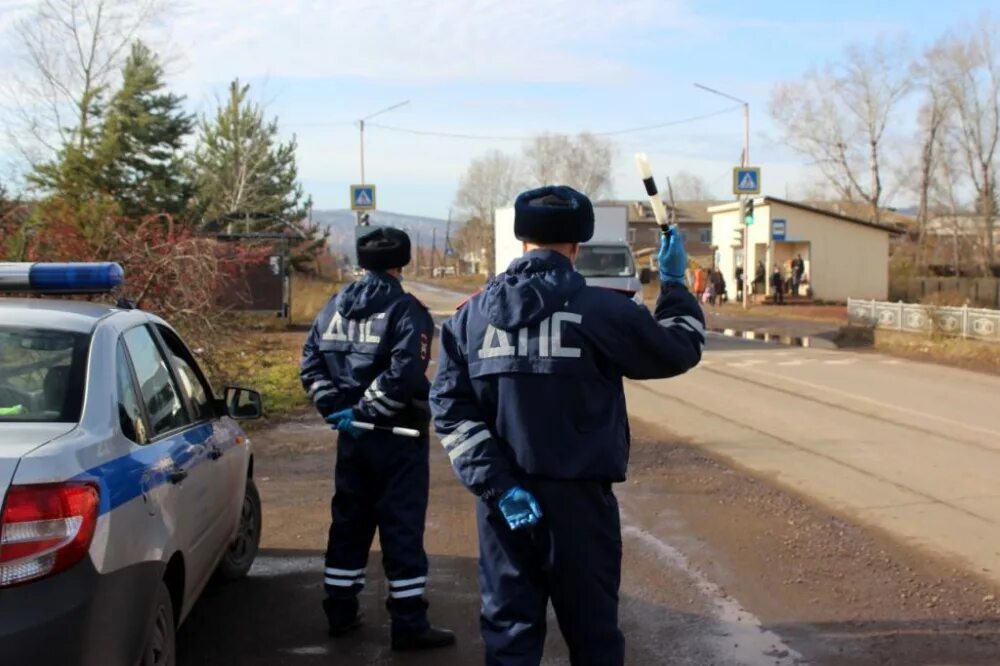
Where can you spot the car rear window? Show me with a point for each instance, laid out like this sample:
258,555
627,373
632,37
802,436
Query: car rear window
604,261
42,374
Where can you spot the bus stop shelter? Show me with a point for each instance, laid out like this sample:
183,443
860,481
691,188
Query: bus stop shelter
845,257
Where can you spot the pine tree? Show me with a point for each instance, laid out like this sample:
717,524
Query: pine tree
245,178
74,173
141,143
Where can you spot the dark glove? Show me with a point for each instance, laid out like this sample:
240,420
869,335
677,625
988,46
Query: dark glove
343,421
672,258
519,508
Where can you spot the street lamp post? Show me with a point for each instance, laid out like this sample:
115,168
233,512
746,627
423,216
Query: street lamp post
746,163
361,127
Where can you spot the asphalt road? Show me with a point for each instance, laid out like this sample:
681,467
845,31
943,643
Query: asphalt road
719,567
907,447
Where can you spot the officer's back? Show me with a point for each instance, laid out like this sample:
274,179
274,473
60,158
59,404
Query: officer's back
356,336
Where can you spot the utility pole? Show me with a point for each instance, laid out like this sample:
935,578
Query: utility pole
433,248
742,198
416,268
361,128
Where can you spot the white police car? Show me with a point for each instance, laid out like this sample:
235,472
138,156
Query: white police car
125,484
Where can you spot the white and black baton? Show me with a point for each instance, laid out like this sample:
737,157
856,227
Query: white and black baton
646,173
402,432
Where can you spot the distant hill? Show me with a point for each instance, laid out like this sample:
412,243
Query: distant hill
341,224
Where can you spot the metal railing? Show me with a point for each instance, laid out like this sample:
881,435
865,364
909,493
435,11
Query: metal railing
965,322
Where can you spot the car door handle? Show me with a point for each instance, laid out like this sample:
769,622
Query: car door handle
214,453
176,475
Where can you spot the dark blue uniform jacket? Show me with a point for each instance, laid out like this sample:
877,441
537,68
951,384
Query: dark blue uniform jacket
369,349
530,376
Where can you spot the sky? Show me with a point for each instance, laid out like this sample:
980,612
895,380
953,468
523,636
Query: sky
503,70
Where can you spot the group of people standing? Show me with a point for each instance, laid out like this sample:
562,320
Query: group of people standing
783,282
528,403
710,286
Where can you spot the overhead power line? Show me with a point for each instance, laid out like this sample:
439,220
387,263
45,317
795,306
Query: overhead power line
494,137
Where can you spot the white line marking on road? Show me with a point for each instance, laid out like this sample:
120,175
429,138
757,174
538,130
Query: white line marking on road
841,361
746,364
742,627
790,363
878,403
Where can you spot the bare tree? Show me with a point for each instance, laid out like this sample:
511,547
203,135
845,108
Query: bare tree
839,117
969,62
71,50
932,119
583,162
544,157
690,187
490,182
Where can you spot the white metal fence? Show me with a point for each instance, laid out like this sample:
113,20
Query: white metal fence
966,322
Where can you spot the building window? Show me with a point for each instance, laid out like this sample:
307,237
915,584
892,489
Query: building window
705,236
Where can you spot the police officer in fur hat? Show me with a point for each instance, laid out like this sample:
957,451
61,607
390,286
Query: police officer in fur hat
529,405
365,360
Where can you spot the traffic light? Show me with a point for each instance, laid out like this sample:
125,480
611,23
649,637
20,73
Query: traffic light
748,212
737,238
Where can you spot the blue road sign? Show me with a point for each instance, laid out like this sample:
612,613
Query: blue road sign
746,180
778,229
362,197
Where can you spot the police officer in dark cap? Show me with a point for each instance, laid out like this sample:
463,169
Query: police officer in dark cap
529,405
365,361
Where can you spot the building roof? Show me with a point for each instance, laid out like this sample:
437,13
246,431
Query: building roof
861,211
761,201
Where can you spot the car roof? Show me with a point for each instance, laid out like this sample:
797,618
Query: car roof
59,314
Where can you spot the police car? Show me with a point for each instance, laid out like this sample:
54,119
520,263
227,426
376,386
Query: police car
125,483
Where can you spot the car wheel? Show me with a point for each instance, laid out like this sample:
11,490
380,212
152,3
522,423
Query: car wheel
242,551
159,648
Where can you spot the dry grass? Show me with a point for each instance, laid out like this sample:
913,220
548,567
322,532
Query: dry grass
968,354
309,296
263,354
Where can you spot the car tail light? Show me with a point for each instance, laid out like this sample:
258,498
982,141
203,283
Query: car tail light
45,529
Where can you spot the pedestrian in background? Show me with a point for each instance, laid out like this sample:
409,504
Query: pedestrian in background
798,270
778,286
529,404
739,283
759,278
365,360
700,283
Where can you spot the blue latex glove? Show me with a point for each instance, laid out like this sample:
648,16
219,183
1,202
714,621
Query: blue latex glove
673,258
519,508
343,421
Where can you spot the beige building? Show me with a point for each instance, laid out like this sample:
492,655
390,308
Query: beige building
845,257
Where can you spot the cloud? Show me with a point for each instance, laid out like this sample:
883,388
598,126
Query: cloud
520,41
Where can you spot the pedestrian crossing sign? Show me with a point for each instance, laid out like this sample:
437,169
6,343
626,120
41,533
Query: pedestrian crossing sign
746,180
362,197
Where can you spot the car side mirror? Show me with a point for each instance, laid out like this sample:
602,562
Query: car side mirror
243,404
645,276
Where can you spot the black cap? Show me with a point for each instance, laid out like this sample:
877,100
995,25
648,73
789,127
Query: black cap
553,214
383,248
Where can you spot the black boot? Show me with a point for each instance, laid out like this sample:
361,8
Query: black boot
342,616
429,639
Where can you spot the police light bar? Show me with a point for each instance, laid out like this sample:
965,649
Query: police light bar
75,278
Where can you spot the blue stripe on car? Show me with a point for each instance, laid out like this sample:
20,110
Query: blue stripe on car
123,479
